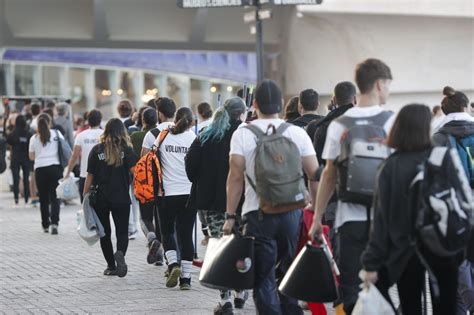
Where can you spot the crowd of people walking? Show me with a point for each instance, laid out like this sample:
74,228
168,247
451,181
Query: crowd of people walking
356,170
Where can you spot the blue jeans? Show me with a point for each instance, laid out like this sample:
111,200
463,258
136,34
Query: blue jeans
276,237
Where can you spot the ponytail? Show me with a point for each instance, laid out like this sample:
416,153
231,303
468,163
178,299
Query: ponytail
183,121
218,127
44,120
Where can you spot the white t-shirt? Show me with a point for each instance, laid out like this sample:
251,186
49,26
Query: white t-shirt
347,212
173,150
150,138
45,155
244,143
34,123
204,124
87,140
453,117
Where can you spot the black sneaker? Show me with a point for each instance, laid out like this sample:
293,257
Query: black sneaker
224,309
239,302
173,276
159,262
46,230
121,265
54,229
110,271
185,284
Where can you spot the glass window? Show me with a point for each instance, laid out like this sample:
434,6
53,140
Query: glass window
24,80
51,84
103,93
77,81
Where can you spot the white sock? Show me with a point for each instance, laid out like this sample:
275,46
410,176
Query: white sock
186,267
171,256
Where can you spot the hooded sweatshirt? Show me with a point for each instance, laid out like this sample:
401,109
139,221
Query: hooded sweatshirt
457,128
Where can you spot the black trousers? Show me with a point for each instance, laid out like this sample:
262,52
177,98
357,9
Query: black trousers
176,217
120,214
352,240
46,181
25,168
150,221
410,285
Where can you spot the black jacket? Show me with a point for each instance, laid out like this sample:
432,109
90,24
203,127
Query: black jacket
456,128
389,244
320,130
307,122
207,167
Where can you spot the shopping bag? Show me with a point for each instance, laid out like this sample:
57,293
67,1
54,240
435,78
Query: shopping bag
229,263
90,236
311,276
67,189
372,302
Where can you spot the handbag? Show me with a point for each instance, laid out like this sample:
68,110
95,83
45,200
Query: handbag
310,277
232,256
64,151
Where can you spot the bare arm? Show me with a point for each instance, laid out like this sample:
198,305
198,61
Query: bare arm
76,153
235,186
325,191
31,155
88,183
310,166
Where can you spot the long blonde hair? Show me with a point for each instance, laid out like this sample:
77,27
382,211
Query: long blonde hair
115,138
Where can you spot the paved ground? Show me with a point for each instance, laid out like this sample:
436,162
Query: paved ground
41,273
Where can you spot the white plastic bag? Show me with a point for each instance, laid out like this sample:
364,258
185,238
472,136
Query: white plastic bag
67,189
372,302
90,236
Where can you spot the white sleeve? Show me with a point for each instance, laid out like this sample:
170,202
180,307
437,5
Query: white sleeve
78,140
304,143
237,142
332,146
148,140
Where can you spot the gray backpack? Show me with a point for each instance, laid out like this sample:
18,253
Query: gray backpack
362,152
278,171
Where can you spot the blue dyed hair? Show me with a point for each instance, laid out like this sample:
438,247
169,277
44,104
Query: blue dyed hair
232,109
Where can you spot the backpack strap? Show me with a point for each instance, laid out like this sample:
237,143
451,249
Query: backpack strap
380,119
282,128
163,135
437,156
255,130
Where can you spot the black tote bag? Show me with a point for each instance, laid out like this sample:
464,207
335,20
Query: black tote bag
229,263
310,277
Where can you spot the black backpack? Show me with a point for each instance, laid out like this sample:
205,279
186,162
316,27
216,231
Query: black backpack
442,201
362,152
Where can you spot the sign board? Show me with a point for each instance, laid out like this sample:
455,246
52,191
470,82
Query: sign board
295,2
250,17
189,4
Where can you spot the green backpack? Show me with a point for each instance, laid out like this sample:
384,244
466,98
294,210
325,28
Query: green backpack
279,181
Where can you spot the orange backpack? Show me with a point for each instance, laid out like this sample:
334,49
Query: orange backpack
148,179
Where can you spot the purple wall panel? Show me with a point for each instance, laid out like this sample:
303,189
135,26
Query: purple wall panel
234,66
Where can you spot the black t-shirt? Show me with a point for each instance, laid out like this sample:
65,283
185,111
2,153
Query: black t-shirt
113,182
19,140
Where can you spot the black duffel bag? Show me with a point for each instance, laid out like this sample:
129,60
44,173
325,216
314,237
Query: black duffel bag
229,263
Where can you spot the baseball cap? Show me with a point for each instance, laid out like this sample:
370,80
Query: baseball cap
268,97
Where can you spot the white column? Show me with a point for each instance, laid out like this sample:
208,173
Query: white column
90,88
161,81
38,80
184,91
10,78
64,83
139,87
206,92
114,86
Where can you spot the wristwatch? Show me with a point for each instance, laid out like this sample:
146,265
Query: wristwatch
229,216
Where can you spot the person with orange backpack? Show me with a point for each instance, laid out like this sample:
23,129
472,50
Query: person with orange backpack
143,188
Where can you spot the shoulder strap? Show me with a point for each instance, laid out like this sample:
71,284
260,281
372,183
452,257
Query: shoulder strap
380,119
255,130
163,135
282,128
